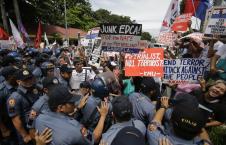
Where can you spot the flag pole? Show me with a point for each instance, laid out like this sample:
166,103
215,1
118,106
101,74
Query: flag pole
65,17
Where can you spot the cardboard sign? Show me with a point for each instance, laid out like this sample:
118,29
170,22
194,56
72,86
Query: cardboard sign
146,63
167,38
181,22
94,59
184,70
217,22
121,38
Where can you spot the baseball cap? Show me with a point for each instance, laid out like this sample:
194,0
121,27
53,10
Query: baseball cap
148,84
24,74
59,95
50,81
8,71
129,136
65,68
187,120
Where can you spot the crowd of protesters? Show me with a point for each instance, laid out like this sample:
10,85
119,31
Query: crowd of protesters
52,96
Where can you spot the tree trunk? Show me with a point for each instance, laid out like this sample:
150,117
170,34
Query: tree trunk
4,17
17,11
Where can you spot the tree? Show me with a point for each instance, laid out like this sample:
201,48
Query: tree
146,36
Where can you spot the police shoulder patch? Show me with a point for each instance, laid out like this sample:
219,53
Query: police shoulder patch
12,102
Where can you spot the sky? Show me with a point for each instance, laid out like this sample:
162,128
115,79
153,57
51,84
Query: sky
149,13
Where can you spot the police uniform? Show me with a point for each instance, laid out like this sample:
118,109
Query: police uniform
90,115
37,72
66,131
114,129
154,136
41,105
20,103
143,108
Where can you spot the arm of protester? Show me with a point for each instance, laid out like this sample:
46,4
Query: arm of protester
19,127
213,123
83,101
202,83
44,138
103,110
213,62
160,113
204,136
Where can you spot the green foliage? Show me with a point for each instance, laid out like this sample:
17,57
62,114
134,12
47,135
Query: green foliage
146,36
182,6
218,135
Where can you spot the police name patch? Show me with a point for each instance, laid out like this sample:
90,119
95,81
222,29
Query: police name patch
12,102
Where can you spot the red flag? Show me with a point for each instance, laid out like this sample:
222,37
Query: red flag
38,36
191,6
3,35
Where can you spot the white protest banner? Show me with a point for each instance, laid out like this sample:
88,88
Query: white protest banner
121,38
94,59
167,38
89,40
217,22
197,35
6,44
184,70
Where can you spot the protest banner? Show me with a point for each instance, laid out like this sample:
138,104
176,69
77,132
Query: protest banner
217,22
184,70
208,14
121,38
181,22
94,58
6,44
167,38
148,62
88,41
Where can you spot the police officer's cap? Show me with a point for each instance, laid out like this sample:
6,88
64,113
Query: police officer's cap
188,120
129,136
8,71
7,60
24,74
60,95
65,68
50,81
148,84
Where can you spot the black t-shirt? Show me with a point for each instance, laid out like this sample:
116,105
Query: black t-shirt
218,108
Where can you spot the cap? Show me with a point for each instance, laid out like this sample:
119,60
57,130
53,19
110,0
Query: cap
7,60
129,136
24,74
65,68
85,85
8,71
122,108
50,81
148,84
59,95
188,120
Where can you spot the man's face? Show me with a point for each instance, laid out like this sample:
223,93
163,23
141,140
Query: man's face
27,83
67,108
217,90
50,73
78,67
66,75
84,91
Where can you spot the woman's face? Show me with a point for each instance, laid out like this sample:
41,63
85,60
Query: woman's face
217,90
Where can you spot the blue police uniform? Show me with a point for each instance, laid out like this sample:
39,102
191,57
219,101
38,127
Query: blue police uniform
90,115
41,105
65,130
64,82
154,136
143,108
20,103
37,72
109,136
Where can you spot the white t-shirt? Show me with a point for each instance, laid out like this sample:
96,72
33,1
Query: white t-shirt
78,78
221,51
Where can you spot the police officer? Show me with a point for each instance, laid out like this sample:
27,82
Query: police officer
143,107
187,123
122,113
89,112
65,76
47,69
20,102
6,89
66,130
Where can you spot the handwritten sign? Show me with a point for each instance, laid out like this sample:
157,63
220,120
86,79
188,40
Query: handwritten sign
217,22
94,59
117,37
181,22
167,38
184,70
146,63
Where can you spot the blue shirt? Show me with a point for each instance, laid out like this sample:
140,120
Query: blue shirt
65,130
143,108
109,136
